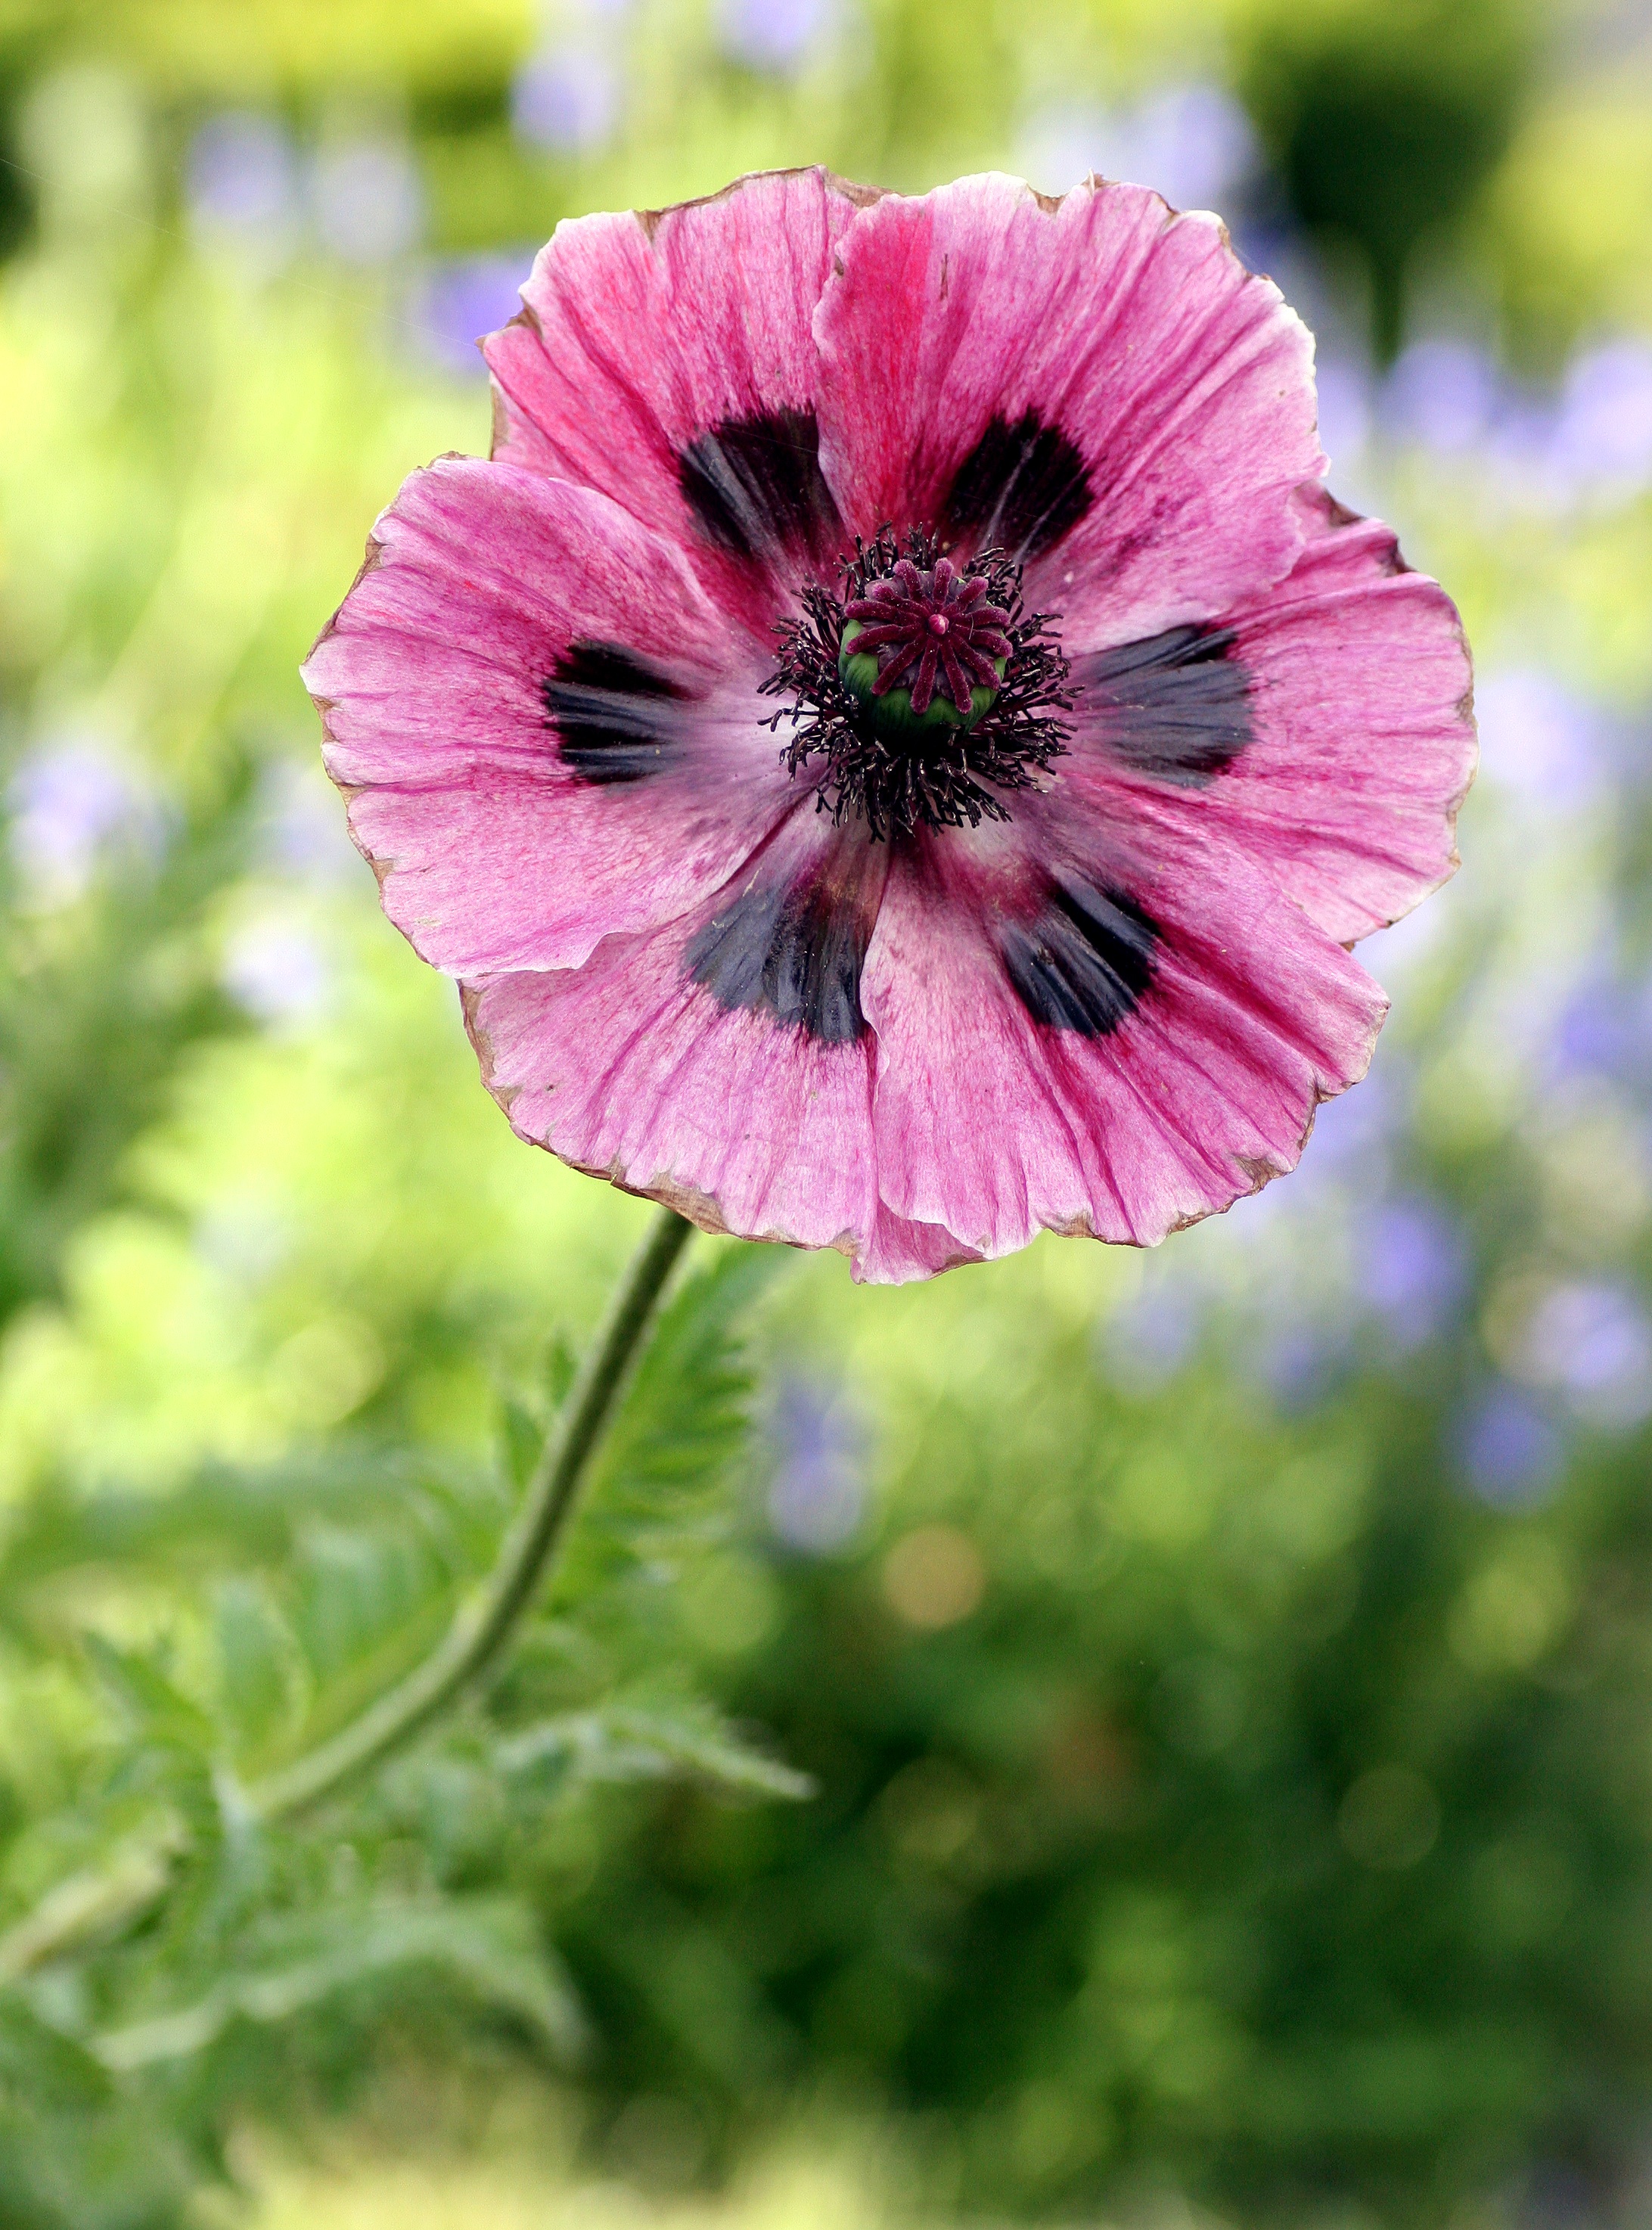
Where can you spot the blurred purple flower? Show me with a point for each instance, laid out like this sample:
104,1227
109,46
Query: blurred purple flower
566,99
1594,438
368,200
1344,408
1591,1342
1606,1030
1536,738
818,1495
1511,1453
1299,1362
1353,1133
1193,143
299,834
773,36
1603,432
1445,394
276,969
1148,1341
72,806
241,178
1412,1268
1519,447
457,301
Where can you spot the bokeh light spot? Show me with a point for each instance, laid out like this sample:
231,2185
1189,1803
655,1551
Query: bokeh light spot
1390,1818
934,1577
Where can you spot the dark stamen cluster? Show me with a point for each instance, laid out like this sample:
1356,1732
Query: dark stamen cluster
947,775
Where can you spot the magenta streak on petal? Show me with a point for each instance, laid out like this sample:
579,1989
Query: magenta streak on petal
492,853
1182,380
626,1069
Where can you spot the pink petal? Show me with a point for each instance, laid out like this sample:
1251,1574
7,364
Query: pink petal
642,334
898,1252
1324,726
1365,745
992,1126
628,1069
1098,382
492,853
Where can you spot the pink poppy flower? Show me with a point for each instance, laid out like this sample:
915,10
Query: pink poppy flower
896,741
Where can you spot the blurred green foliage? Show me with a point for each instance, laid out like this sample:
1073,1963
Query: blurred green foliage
1154,1771
1386,118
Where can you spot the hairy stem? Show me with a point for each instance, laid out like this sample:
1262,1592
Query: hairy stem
483,1626
102,1901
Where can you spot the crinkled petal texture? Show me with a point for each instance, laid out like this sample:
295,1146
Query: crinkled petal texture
1104,1032
1098,385
495,603
1113,1014
668,360
1363,734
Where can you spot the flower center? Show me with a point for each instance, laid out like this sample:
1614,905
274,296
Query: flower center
918,642
924,692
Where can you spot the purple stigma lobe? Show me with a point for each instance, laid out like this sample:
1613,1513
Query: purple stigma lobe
931,630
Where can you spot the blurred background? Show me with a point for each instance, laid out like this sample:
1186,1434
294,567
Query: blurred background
1101,1740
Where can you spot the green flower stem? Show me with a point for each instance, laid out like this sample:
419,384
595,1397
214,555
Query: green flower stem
484,1626
101,1902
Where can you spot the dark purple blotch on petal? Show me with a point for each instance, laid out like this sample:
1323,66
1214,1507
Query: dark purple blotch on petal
612,711
1020,489
795,949
1176,706
1086,961
755,485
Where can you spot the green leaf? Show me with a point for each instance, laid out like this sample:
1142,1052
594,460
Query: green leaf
41,2063
159,1712
522,1438
260,1677
524,1424
488,1946
561,1361
113,2167
127,1877
620,1741
682,1426
227,1516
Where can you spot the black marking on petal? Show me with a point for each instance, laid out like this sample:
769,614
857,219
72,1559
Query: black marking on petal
1021,488
613,712
1087,960
755,484
1176,706
794,949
